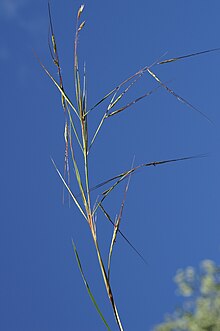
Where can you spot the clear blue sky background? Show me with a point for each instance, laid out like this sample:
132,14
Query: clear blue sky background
172,211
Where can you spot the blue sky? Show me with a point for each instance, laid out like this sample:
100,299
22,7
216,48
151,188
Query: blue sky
172,211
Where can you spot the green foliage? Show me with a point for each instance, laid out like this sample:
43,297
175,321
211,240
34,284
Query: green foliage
201,308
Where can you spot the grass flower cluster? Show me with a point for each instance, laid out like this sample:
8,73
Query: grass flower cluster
78,143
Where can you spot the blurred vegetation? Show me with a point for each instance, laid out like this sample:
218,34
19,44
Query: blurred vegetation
201,308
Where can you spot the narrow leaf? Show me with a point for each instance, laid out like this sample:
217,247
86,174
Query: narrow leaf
87,286
69,190
66,158
74,128
77,173
59,88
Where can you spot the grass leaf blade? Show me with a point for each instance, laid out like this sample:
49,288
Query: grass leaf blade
59,88
68,189
87,286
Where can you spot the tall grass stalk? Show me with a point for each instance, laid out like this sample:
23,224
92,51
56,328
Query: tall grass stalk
77,133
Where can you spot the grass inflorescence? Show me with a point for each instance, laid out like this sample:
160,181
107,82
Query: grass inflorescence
79,141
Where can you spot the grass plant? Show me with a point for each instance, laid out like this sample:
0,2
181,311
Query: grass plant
78,143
